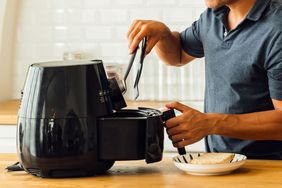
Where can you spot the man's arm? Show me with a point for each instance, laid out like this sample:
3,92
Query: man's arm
193,125
172,56
277,104
167,44
265,125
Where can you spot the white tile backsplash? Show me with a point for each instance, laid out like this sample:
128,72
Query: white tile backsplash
95,33
163,3
97,29
192,3
128,2
66,4
89,16
114,50
178,15
43,34
148,14
97,3
75,33
114,16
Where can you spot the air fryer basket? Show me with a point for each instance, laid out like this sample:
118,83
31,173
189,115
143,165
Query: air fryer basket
131,135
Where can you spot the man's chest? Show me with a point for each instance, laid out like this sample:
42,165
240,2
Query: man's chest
238,55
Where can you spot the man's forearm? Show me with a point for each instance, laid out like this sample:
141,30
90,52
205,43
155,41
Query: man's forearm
168,49
265,125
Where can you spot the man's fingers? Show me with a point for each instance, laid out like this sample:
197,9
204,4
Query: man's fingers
150,44
177,138
134,32
173,122
132,27
175,130
178,106
132,36
137,39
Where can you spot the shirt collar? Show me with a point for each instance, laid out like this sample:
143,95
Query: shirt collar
254,15
257,11
221,12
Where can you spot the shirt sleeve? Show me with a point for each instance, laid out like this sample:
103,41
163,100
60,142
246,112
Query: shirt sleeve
191,41
274,68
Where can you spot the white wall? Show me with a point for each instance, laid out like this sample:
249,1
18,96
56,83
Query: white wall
8,10
97,28
8,17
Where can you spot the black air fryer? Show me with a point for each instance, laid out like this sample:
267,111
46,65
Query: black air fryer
71,122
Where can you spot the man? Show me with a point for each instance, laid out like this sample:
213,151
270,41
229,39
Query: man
241,41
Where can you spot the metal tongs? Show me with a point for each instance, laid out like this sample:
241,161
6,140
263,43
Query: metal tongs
142,57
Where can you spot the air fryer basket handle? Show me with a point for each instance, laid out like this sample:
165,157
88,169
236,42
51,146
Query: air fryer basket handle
166,116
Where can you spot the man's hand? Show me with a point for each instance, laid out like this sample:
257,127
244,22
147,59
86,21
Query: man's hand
193,125
153,30
167,44
189,127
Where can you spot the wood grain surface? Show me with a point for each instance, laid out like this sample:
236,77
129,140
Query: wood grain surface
137,174
9,112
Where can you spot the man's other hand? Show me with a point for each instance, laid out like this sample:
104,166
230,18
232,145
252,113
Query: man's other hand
189,127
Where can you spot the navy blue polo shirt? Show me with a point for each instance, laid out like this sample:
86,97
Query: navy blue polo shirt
243,69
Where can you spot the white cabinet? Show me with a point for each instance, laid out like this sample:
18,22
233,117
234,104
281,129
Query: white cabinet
8,138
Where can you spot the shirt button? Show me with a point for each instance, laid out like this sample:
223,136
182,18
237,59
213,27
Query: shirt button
225,33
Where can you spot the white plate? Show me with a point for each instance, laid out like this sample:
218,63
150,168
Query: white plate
182,162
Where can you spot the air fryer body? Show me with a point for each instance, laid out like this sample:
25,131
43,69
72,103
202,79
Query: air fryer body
71,122
57,131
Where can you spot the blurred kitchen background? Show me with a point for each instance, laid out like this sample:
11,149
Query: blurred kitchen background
34,31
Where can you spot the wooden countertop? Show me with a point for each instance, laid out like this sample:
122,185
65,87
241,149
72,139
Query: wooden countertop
135,174
9,109
9,112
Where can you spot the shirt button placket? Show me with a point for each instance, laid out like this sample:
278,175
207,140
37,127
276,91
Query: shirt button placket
226,42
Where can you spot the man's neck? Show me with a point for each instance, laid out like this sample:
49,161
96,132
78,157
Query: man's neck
238,12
